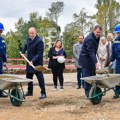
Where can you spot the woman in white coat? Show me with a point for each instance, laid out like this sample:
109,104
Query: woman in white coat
102,52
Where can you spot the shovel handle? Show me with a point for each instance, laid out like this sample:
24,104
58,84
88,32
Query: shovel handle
98,62
27,59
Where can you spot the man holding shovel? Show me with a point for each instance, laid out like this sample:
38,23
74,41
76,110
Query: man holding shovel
35,48
88,59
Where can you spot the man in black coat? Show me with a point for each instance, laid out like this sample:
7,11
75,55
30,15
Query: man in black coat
87,58
35,48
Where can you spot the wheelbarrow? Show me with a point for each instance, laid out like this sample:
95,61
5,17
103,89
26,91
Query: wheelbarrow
13,84
101,83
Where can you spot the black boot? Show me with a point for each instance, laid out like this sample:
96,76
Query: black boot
2,95
28,93
115,96
43,96
78,87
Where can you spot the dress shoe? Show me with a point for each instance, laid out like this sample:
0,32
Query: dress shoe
43,96
28,94
3,95
78,87
115,96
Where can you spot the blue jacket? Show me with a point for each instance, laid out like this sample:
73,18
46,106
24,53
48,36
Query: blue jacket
35,49
2,50
116,49
87,56
116,54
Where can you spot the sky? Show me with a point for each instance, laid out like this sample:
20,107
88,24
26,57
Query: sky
12,10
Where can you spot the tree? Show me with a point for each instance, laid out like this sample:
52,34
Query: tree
69,38
19,34
54,13
83,22
12,46
45,25
108,14
34,21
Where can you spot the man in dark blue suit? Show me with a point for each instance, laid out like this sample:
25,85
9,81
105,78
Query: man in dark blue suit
87,58
35,48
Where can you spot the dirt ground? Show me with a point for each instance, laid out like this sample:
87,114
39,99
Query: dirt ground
69,104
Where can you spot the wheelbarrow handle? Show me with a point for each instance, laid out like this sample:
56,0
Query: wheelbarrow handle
27,59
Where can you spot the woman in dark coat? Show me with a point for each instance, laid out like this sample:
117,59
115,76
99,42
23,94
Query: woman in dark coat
56,67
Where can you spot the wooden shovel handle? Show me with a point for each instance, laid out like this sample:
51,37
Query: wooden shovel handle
27,59
98,61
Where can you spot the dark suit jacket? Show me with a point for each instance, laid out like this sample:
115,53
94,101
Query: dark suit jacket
35,49
87,56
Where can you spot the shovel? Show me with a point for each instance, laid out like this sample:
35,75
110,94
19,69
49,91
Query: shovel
37,68
101,70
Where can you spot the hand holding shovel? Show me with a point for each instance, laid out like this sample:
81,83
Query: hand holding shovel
37,68
99,69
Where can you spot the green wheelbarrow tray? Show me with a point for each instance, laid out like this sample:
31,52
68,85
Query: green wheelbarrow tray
106,81
13,84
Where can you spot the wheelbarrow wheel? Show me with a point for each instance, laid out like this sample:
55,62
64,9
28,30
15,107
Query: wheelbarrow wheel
93,95
17,94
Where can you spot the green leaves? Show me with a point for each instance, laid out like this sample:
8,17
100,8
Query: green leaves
108,14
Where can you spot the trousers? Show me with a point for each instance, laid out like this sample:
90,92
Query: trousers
57,73
87,72
41,82
79,75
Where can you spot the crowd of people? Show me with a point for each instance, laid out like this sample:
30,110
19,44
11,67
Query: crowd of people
90,53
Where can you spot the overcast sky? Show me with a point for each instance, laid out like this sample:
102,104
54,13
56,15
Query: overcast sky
12,10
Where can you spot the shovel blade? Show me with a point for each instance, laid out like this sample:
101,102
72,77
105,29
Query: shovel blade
103,71
40,68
